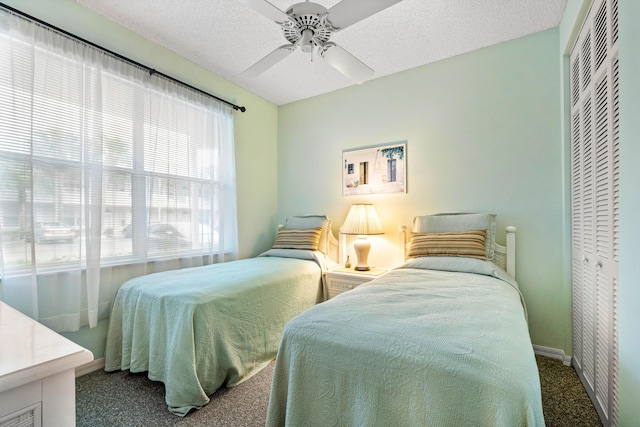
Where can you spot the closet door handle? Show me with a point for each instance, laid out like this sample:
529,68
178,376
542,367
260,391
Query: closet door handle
585,259
599,264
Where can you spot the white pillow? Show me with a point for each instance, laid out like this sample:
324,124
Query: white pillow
450,222
304,222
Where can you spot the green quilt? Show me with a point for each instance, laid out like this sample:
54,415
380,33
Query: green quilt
414,347
199,328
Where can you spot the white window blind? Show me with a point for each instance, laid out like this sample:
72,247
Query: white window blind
101,164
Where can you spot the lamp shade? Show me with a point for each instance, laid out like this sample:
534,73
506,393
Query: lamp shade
363,220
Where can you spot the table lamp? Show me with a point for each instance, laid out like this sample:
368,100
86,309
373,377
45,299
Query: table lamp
362,221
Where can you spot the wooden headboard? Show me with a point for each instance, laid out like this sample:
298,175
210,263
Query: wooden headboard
504,256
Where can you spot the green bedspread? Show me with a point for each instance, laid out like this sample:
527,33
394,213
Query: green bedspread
199,328
415,347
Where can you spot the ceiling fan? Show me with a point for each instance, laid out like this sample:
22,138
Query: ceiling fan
309,26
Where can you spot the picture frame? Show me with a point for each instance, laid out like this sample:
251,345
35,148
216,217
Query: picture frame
375,170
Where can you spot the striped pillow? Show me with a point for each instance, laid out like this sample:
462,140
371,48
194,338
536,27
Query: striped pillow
298,239
463,244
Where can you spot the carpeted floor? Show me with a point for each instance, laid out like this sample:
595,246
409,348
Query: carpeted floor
564,400
122,399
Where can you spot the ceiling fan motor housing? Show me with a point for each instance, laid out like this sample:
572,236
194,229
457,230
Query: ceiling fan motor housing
308,16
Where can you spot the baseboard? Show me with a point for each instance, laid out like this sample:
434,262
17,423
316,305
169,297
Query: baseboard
87,368
553,353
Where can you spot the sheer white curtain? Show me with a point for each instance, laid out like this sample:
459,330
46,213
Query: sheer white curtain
106,173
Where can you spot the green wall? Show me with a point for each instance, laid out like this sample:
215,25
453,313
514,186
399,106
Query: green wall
255,130
483,135
485,132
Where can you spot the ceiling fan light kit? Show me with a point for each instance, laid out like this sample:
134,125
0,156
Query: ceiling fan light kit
310,25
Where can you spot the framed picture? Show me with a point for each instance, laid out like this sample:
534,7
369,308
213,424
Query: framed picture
375,170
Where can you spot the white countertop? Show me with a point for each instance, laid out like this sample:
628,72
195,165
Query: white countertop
30,351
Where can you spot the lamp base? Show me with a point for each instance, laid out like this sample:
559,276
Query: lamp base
362,246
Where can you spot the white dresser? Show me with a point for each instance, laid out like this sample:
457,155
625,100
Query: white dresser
37,373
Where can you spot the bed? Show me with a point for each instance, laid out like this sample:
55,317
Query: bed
197,329
442,340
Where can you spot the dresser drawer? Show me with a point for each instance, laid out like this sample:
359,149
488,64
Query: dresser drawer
336,286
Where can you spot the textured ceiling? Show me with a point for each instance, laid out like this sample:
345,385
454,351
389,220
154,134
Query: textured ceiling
226,37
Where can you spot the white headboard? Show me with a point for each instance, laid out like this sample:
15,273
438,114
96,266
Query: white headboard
333,249
504,256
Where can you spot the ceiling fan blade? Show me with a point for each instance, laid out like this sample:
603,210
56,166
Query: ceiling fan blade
267,9
348,12
346,63
268,61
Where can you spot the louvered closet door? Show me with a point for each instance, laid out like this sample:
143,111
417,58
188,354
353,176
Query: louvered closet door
594,198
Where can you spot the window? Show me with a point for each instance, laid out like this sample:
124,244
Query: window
102,163
364,173
391,170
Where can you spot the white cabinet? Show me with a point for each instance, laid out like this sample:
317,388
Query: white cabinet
595,205
344,279
37,373
21,406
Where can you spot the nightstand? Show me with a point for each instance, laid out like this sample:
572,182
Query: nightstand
343,279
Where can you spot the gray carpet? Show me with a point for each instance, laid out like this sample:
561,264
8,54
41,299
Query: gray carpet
564,400
122,399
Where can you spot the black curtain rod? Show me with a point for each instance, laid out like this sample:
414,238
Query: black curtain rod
124,58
